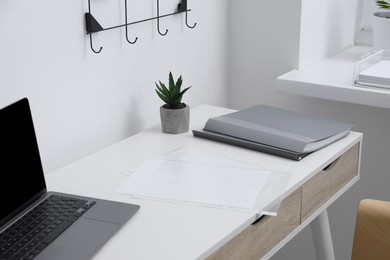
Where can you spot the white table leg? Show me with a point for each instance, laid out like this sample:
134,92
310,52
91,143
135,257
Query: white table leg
322,237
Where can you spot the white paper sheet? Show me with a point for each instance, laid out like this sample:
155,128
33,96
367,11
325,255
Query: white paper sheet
189,175
187,154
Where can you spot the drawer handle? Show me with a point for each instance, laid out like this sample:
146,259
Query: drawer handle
258,220
332,165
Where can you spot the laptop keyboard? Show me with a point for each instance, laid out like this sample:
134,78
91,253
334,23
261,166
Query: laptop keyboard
32,233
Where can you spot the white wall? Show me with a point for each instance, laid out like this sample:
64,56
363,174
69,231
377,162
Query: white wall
264,43
83,101
326,28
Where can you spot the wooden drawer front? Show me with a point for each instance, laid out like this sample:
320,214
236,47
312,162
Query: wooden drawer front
344,169
315,192
327,182
256,240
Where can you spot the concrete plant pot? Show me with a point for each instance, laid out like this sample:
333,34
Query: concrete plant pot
175,121
381,30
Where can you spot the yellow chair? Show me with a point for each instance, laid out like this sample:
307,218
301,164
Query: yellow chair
372,231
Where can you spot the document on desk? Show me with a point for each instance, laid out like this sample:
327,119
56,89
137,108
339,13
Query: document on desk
191,176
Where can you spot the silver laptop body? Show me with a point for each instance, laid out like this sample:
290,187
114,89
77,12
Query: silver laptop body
24,198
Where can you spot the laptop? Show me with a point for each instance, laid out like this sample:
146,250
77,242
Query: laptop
35,223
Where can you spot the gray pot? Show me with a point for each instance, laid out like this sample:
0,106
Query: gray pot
175,121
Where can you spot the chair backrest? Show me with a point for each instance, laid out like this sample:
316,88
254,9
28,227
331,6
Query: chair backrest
372,231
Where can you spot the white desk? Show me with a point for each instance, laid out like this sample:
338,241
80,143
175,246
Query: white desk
163,230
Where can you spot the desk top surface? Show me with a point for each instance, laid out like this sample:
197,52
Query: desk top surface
164,230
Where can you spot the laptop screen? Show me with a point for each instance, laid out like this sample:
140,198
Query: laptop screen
21,173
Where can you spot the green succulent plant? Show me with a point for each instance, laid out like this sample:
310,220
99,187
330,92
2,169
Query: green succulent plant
172,94
383,4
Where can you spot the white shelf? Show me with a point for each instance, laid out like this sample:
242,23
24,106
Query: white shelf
332,78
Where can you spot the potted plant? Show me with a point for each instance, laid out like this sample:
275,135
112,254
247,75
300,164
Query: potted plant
175,115
381,26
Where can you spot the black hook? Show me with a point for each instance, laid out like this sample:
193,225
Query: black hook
192,27
90,41
127,37
158,20
91,25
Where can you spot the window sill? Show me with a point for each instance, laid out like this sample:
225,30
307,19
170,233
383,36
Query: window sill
332,79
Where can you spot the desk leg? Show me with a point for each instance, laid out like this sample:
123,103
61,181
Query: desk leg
322,238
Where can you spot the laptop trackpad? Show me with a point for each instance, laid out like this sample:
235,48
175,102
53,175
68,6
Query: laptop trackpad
86,234
81,240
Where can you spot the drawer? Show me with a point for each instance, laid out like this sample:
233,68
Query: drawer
256,240
327,182
344,169
315,192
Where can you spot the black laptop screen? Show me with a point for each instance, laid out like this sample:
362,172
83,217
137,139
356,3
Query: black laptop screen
21,173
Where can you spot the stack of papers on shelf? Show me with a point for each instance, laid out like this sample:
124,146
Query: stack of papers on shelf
373,70
190,176
275,131
377,75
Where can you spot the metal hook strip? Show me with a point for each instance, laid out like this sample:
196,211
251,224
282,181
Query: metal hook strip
93,26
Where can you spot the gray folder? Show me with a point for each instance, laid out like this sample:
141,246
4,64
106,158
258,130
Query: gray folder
275,131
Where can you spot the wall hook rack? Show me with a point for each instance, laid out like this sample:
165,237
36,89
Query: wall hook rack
93,26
